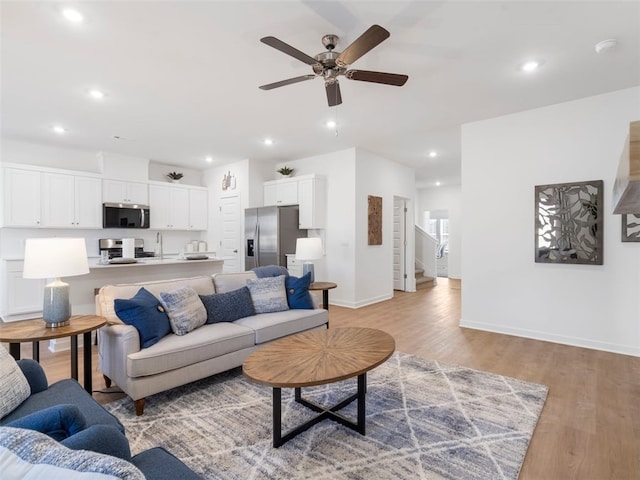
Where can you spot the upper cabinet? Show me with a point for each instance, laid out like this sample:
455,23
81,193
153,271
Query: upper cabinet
281,192
178,208
120,191
307,191
21,198
71,201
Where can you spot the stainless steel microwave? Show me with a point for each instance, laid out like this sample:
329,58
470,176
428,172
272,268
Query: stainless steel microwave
124,215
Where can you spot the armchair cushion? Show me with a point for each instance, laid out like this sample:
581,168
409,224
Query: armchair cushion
27,454
144,312
14,387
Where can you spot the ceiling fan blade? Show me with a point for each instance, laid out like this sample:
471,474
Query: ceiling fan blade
373,37
289,81
333,93
377,77
289,50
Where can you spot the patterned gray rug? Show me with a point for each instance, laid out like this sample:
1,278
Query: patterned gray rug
425,420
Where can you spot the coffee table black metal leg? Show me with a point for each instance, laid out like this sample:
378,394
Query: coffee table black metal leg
277,417
362,404
86,345
14,350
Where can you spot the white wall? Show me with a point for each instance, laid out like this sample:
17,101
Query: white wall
374,263
364,273
445,198
12,151
504,290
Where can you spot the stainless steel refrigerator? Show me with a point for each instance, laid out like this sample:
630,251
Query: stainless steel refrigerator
270,233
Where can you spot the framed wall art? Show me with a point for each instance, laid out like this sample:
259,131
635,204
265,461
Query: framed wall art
375,220
568,223
631,227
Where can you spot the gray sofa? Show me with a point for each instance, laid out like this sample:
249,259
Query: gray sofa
177,360
155,463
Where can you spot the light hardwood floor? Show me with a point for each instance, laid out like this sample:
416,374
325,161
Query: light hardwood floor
590,424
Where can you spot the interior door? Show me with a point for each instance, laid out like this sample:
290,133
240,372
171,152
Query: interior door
230,248
399,244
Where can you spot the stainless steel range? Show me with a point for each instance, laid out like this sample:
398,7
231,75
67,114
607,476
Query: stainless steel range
114,247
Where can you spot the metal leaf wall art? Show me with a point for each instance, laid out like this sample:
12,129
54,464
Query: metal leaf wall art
569,227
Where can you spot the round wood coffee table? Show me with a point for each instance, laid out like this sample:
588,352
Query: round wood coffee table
319,358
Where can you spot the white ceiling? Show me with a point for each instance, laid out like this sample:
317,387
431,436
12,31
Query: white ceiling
182,77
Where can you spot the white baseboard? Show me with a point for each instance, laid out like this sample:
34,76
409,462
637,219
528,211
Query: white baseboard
554,338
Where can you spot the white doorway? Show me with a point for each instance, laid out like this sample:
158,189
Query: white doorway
399,244
230,240
438,226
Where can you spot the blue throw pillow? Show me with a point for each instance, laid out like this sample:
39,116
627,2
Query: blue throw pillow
270,271
228,306
298,295
144,312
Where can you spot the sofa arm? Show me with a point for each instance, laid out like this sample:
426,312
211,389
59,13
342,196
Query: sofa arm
115,343
158,464
35,375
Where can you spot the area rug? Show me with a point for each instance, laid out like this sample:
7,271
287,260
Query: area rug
425,420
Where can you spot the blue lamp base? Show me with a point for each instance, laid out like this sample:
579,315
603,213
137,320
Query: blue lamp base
56,309
308,267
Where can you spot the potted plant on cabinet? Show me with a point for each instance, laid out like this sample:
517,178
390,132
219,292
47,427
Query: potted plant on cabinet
174,177
285,171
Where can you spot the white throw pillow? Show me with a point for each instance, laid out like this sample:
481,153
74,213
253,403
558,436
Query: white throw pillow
268,294
14,387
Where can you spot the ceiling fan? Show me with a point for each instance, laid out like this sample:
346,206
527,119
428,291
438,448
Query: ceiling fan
331,64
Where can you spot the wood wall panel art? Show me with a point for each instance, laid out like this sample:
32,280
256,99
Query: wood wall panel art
375,220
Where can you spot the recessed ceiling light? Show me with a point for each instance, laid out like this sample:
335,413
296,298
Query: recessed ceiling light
268,141
72,15
59,130
433,154
438,184
97,94
530,66
331,124
209,159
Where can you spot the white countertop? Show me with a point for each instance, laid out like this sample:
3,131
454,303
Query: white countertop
150,262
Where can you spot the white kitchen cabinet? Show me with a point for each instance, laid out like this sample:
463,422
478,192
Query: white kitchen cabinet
70,201
169,207
23,297
312,199
294,266
119,191
198,209
21,198
281,192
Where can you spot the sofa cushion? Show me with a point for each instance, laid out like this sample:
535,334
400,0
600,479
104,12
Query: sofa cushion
144,312
229,306
298,295
185,309
226,282
271,326
108,293
14,386
173,351
65,391
268,294
27,454
158,463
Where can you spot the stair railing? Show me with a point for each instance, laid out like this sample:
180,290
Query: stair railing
426,251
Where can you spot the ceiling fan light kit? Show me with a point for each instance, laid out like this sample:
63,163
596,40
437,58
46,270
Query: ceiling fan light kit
330,65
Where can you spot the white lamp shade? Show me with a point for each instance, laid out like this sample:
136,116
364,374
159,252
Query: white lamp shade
308,248
55,257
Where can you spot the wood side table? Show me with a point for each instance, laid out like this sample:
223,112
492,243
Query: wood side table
325,287
36,331
319,358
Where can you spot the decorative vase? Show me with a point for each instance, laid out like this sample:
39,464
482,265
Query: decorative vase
175,180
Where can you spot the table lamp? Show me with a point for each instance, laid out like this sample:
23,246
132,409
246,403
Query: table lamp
55,258
308,249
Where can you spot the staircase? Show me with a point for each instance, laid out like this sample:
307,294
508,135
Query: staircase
422,281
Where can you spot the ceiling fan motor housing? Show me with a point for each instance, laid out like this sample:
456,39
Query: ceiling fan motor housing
330,41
